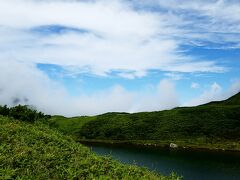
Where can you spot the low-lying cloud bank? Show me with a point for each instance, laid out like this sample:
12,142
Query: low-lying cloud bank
215,93
25,84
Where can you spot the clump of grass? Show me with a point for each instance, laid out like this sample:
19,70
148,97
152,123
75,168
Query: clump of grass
33,151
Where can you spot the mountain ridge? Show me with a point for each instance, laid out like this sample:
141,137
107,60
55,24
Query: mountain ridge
215,124
233,100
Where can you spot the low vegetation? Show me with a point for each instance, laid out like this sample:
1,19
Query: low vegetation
69,125
33,151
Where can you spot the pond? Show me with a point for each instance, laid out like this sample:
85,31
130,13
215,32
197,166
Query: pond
197,165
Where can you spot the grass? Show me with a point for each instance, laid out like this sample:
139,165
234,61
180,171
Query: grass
34,151
66,125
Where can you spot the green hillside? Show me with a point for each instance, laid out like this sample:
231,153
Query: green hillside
213,125
69,125
234,99
33,151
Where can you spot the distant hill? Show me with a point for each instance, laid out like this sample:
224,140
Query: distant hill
210,123
216,124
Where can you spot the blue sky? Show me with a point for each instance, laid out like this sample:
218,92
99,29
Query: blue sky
90,57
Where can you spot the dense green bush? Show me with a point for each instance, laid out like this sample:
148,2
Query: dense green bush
23,113
4,110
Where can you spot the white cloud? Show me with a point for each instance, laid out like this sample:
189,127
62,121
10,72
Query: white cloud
212,94
215,93
99,17
25,84
215,21
118,37
165,98
195,85
174,76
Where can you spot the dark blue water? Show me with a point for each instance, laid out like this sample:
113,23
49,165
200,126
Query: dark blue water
192,165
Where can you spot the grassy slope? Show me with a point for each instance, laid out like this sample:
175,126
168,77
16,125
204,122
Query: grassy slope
214,125
33,151
69,125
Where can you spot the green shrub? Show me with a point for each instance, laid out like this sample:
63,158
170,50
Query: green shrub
23,113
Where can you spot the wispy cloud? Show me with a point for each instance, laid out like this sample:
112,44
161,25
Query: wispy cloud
101,35
203,21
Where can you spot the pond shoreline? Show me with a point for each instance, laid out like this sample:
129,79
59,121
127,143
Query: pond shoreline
190,163
156,145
